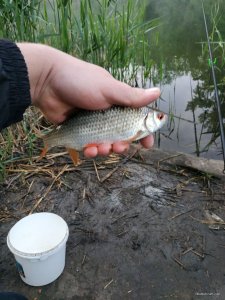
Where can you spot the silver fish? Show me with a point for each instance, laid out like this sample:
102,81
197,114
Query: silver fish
88,128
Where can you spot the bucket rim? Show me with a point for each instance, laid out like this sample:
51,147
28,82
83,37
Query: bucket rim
38,254
42,254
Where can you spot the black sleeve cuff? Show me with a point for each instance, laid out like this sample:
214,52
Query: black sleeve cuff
14,84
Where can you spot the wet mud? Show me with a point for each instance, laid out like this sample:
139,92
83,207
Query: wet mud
139,228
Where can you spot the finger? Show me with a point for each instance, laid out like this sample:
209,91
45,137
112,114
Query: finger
123,94
148,141
104,149
120,147
91,151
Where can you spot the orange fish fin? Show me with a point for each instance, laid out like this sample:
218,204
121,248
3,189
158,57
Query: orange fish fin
74,156
44,152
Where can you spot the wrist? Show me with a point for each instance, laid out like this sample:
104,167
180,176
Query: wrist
39,63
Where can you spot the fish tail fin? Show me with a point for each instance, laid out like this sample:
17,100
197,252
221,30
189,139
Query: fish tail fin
49,142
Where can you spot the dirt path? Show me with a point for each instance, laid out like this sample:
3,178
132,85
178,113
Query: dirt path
142,233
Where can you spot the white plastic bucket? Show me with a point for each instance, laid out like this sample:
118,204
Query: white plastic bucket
38,243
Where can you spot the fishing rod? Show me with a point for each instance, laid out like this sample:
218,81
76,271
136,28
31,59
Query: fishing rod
218,104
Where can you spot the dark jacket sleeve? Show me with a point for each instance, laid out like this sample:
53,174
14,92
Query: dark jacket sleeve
14,84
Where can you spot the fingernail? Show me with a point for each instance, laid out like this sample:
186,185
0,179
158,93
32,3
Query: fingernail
154,90
153,93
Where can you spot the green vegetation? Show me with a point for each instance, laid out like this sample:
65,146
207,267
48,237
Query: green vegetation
110,33
119,37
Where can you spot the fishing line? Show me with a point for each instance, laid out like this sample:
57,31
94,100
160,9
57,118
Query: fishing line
218,104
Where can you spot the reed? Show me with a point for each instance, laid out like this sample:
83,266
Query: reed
110,33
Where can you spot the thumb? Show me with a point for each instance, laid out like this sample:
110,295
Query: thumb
125,95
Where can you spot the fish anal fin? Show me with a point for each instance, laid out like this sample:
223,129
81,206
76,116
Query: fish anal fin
74,156
44,152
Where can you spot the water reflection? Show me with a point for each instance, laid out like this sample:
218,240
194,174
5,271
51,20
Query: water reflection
184,74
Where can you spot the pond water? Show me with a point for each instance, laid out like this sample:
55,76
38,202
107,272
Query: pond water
183,73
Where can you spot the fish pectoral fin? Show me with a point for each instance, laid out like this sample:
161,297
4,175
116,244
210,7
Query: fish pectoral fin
135,137
74,156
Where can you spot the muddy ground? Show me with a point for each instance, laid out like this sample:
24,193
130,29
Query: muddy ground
139,228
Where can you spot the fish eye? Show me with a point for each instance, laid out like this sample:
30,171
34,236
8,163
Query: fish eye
160,116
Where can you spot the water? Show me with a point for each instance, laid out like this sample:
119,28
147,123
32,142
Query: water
183,73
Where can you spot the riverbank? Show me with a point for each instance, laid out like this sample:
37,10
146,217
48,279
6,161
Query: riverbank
140,228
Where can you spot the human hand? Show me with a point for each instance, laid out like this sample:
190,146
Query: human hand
61,83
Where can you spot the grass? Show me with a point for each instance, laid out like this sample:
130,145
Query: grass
110,33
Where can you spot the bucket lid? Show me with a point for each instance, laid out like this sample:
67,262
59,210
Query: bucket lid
37,234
